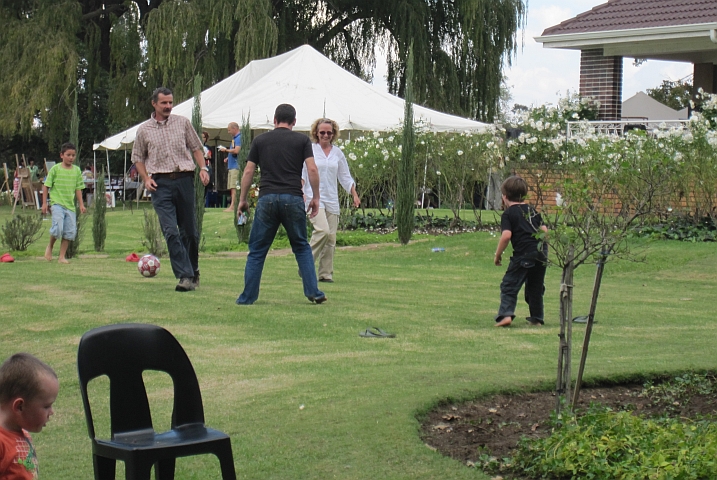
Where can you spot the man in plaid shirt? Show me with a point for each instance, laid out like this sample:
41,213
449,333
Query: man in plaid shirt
166,150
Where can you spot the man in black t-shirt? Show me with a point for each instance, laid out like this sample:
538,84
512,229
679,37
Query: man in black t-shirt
519,225
281,155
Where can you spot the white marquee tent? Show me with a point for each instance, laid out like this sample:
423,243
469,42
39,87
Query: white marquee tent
310,82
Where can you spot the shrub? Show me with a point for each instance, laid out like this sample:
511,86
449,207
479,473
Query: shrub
99,209
681,227
153,239
606,444
73,249
21,231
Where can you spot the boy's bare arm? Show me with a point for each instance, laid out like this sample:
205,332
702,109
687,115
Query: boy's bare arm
505,237
78,194
45,207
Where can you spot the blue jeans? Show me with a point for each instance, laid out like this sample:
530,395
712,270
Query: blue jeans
521,271
174,203
273,210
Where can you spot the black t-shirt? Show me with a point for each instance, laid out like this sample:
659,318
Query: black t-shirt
523,222
281,154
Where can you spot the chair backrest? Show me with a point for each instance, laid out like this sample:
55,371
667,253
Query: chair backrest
123,352
48,166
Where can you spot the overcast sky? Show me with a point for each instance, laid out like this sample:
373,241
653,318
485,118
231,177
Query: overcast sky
542,75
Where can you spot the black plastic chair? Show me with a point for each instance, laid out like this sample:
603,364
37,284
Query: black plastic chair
123,352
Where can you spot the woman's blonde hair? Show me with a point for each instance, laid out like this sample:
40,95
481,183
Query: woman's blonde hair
314,134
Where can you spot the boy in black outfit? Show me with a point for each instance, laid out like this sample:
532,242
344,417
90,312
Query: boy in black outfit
519,225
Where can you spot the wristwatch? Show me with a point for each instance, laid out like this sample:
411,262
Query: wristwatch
205,168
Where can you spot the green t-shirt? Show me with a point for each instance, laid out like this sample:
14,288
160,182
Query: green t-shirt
63,182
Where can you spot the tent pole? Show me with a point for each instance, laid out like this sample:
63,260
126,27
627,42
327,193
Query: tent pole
423,190
124,179
94,175
109,176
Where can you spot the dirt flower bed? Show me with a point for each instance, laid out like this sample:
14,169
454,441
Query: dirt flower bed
494,425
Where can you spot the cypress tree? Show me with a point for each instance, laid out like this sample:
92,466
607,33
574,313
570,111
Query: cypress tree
198,185
406,188
99,225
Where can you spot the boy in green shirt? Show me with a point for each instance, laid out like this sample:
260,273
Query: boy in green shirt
65,181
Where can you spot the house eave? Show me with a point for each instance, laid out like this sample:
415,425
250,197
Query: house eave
579,41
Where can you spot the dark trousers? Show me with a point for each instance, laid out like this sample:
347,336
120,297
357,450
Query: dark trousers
532,274
174,203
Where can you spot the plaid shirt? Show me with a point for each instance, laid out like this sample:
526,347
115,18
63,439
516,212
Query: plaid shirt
167,146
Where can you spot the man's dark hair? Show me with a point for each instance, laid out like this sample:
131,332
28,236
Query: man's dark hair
67,146
285,113
157,91
514,188
20,377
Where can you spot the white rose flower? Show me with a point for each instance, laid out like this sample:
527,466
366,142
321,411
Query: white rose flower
352,156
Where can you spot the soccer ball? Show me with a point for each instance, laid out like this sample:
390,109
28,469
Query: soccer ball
148,266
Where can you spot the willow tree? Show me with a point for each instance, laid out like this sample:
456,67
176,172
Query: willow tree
460,47
117,51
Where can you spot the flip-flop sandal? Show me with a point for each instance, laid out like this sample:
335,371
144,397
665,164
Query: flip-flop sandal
583,319
6,258
375,332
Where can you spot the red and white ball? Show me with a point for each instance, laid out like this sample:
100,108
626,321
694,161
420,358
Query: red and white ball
148,266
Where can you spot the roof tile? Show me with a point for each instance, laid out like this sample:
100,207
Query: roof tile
634,14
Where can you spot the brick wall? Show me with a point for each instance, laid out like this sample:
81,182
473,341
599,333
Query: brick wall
601,79
543,190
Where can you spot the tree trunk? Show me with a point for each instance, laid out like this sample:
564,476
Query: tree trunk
562,387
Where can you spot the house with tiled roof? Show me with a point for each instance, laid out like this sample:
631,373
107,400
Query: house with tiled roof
672,30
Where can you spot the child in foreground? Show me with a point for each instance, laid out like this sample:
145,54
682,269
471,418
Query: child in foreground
519,225
65,184
28,388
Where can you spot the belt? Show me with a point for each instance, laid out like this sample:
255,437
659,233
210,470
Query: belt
173,175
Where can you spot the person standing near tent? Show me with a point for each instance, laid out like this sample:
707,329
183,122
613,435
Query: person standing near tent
232,162
34,170
333,169
281,154
166,150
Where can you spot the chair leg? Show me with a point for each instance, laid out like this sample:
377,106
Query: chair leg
104,467
164,469
137,470
226,461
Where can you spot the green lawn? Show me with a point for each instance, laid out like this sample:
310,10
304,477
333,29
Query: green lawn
361,397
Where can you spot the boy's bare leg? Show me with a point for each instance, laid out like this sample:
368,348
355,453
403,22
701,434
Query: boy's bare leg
505,322
63,250
48,250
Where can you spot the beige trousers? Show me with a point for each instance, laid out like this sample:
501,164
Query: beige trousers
323,242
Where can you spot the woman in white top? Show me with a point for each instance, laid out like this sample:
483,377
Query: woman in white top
333,169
